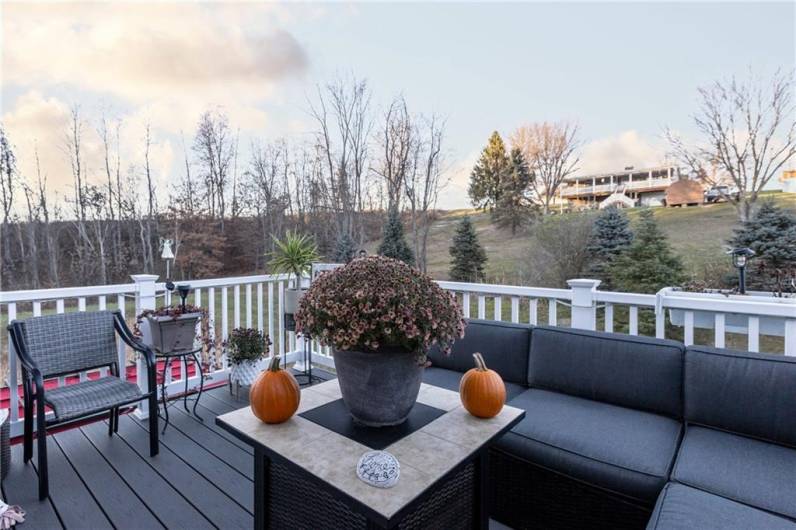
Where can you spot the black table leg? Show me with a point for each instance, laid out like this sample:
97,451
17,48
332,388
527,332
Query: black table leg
260,469
481,513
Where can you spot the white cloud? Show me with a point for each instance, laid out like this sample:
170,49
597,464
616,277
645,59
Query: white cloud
628,148
173,59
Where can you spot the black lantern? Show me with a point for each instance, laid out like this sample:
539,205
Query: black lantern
740,256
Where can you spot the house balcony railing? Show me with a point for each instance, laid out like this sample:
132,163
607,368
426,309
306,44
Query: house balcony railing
638,185
756,324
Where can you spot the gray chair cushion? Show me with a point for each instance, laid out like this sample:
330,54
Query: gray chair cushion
71,342
449,379
94,395
636,372
618,449
742,469
748,393
505,347
682,508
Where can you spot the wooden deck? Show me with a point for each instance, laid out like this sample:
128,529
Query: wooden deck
202,477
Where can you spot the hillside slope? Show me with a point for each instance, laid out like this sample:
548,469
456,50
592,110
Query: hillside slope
698,234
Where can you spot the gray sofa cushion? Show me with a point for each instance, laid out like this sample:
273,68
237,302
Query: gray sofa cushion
449,379
618,449
636,372
748,393
742,469
682,508
505,347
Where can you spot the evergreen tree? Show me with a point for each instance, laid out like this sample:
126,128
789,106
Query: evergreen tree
345,249
513,207
488,172
649,264
610,237
771,233
468,255
394,244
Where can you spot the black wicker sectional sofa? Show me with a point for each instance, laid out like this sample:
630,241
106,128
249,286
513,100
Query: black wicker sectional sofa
628,432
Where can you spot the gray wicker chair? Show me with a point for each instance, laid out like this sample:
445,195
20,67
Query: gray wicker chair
64,344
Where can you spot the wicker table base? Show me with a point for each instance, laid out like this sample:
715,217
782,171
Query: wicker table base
286,496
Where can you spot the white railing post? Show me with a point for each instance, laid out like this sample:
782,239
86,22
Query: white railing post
584,307
144,299
790,336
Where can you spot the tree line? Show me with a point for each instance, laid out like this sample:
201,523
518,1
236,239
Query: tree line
222,210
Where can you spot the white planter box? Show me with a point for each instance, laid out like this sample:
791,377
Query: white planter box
180,332
734,323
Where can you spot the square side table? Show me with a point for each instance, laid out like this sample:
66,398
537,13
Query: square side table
305,474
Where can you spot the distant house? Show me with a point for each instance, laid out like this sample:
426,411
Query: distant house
644,187
788,180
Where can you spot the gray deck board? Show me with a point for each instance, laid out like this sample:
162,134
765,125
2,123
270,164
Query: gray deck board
199,480
21,487
120,504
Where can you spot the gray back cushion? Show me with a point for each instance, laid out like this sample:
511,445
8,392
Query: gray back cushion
504,346
635,372
747,393
71,342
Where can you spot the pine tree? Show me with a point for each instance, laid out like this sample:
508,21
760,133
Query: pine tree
513,207
488,172
345,249
649,264
394,244
771,233
468,256
610,237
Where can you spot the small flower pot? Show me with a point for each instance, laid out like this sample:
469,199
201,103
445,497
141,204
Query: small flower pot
379,388
245,372
292,300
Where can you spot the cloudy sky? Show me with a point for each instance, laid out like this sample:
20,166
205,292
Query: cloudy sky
622,70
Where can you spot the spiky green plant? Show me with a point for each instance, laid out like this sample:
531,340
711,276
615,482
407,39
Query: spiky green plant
294,254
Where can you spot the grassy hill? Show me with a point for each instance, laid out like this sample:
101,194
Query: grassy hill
698,234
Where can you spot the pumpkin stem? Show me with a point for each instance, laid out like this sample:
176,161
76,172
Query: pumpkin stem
274,366
480,364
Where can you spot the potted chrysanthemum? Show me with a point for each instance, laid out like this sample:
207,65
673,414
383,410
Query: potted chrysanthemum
246,348
379,316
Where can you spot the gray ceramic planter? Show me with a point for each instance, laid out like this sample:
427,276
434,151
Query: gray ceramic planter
381,388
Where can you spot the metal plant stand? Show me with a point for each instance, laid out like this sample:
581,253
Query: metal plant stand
307,358
184,356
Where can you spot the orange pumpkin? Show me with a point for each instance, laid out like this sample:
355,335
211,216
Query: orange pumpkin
482,390
275,396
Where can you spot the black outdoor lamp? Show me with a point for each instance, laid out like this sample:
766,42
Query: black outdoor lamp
183,290
739,258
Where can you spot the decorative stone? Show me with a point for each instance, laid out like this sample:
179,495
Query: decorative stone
379,469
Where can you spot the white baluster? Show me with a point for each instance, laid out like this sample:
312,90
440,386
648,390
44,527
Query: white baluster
688,332
248,305
552,311
466,305
236,306
609,317
13,384
498,308
260,306
482,307
224,314
718,321
533,311
754,334
515,309
634,320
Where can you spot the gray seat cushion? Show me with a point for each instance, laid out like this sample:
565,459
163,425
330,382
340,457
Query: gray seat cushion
450,379
622,450
71,401
636,372
680,507
505,348
748,393
742,469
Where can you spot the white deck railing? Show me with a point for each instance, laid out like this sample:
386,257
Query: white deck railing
767,324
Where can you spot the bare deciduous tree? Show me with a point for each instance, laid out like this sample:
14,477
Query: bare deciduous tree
747,132
550,150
